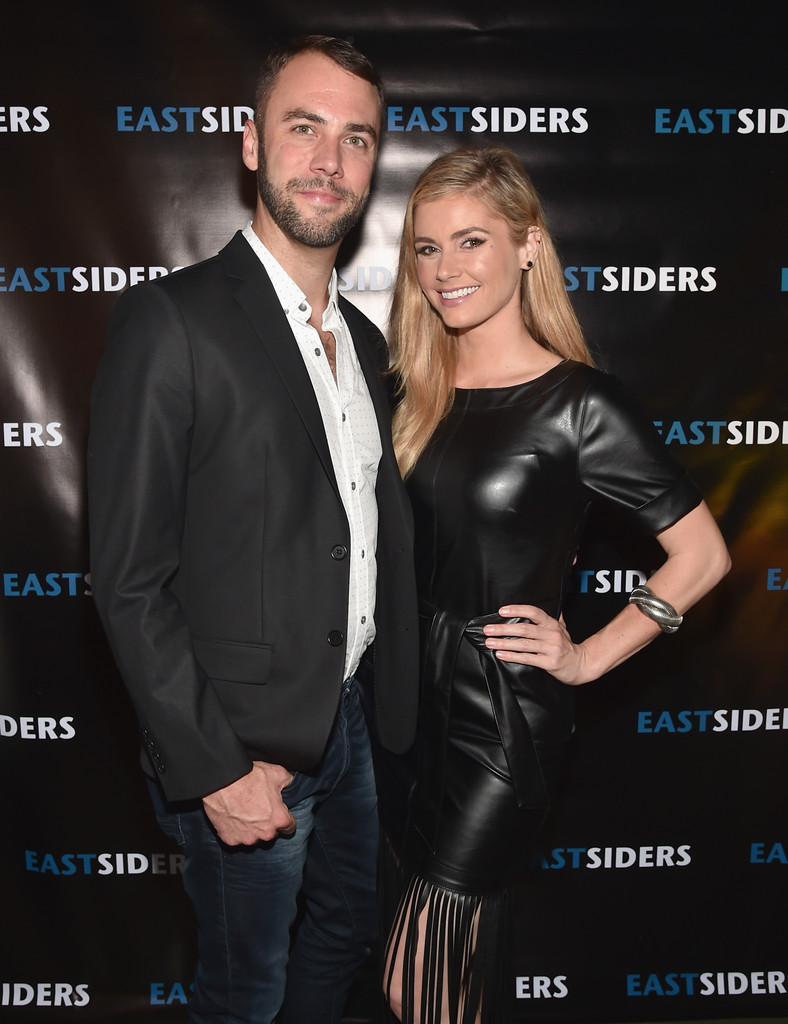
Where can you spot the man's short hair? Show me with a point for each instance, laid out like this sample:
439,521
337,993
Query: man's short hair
340,51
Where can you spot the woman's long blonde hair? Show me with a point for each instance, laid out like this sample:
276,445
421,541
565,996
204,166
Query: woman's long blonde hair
424,350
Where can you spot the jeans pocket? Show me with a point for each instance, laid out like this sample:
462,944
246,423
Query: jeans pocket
291,787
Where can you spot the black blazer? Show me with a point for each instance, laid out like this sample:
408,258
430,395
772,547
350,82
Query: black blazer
218,537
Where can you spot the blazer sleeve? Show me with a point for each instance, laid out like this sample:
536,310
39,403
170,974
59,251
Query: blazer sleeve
142,413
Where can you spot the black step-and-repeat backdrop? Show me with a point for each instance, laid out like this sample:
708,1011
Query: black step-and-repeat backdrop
657,136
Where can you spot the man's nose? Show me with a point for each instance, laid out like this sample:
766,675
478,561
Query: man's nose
327,157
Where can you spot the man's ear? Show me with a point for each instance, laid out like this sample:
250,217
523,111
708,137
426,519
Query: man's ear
250,145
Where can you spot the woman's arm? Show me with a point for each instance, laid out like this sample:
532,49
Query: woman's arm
697,559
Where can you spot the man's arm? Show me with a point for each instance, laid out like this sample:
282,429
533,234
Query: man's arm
138,463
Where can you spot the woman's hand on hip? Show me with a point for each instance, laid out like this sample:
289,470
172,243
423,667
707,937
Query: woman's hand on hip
538,640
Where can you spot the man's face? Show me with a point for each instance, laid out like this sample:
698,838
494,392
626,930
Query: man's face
315,160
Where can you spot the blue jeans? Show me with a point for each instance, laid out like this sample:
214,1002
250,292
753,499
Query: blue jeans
251,969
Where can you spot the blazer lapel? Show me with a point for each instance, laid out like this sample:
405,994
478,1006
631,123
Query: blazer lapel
372,363
257,297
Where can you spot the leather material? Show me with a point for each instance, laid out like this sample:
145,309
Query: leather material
501,493
500,497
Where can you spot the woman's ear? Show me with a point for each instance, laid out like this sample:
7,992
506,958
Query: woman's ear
529,251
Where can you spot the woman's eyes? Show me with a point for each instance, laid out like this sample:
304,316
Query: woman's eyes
468,244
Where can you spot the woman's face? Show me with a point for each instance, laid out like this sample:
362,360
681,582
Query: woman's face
467,265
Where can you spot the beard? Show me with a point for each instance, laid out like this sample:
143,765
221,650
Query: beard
326,227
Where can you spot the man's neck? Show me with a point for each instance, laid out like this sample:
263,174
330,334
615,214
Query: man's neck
309,267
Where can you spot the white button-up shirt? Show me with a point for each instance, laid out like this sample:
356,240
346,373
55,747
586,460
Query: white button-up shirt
353,438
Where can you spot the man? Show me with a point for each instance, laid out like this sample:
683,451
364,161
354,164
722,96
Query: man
239,441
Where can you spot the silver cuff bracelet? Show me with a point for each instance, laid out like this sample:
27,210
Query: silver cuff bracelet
664,614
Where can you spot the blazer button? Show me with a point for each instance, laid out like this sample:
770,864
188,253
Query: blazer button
339,551
335,638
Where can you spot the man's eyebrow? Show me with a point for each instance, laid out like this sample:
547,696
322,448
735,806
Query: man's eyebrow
304,115
298,114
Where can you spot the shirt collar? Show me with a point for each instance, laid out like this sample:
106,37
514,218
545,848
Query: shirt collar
291,297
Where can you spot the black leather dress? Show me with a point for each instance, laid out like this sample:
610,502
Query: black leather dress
500,496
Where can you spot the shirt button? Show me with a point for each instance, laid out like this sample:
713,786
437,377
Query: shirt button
344,417
353,485
317,351
335,638
339,551
363,554
302,307
363,619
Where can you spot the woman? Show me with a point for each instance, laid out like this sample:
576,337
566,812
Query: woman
506,434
